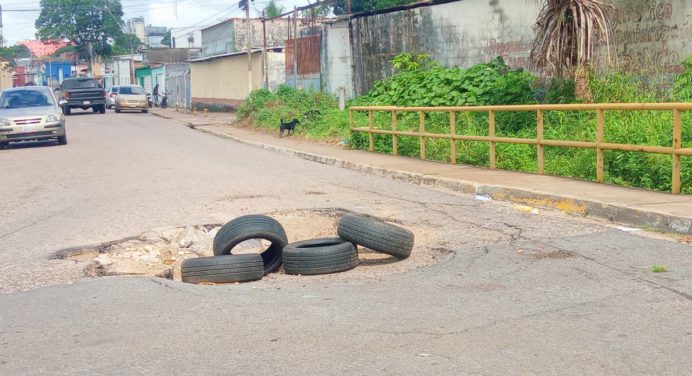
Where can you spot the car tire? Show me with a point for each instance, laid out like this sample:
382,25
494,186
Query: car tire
223,269
62,140
376,235
253,227
319,256
145,110
117,110
66,111
102,109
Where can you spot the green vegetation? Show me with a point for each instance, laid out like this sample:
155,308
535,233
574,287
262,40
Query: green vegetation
12,52
88,24
420,82
657,268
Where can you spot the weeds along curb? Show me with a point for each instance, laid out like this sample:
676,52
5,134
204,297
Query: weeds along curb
588,208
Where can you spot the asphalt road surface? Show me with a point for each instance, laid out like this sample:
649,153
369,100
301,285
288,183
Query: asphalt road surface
514,293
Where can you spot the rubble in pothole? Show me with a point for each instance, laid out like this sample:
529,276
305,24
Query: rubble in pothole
160,252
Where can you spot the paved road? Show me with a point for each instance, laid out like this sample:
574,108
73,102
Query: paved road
519,294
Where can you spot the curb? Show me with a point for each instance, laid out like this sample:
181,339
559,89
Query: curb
620,214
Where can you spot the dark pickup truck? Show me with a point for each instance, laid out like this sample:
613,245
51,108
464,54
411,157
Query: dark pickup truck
82,93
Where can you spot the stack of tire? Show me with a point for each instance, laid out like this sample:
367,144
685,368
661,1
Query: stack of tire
307,257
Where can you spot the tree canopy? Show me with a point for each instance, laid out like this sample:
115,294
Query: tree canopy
358,6
126,44
12,52
85,23
273,10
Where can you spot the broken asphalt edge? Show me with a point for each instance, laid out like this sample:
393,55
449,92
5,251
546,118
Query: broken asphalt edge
615,213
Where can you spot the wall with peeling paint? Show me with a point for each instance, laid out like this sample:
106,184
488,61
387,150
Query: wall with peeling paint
336,69
651,37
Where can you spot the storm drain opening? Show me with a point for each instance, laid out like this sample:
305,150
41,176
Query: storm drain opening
160,252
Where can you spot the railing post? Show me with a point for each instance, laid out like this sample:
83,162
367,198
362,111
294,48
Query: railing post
677,144
491,133
421,131
350,121
453,132
539,145
395,138
600,138
371,116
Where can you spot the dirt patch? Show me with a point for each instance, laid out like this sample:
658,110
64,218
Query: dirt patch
540,253
160,252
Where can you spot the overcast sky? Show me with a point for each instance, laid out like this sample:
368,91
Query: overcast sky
20,25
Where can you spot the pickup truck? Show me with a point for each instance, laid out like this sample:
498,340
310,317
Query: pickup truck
82,93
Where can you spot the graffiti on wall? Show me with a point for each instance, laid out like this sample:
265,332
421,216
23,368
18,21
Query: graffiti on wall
652,38
514,53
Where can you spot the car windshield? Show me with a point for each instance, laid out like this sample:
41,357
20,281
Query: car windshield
86,83
133,90
114,89
25,98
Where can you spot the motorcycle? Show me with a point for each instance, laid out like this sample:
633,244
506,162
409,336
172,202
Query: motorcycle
164,100
150,101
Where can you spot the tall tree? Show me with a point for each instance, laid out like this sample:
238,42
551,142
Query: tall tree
273,10
126,44
357,6
91,25
567,33
12,52
166,41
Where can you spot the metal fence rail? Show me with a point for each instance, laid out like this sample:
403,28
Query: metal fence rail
600,145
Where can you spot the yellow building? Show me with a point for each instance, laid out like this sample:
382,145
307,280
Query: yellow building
5,74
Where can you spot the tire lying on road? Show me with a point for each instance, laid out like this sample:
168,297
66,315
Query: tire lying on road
223,269
253,227
319,256
376,235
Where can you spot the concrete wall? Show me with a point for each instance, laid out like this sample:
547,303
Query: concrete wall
5,75
651,37
336,59
222,83
218,39
461,33
232,35
276,69
186,37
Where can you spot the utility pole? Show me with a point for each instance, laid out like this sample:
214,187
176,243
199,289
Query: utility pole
249,46
265,67
295,46
348,6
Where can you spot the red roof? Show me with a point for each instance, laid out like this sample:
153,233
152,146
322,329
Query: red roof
41,48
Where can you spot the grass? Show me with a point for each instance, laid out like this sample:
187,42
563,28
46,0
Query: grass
658,268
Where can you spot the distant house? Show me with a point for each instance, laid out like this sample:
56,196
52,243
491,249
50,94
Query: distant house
220,82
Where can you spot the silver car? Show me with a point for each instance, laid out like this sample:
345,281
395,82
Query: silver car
30,113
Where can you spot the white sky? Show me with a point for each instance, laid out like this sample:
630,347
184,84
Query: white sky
20,25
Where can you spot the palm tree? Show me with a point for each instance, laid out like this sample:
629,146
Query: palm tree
567,32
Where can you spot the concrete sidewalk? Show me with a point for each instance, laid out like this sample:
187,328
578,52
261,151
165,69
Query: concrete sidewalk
632,207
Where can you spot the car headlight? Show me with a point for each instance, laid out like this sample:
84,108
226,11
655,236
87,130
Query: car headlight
5,122
52,118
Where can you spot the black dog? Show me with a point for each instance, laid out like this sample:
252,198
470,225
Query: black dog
287,126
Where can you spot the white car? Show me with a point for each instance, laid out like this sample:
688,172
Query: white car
30,113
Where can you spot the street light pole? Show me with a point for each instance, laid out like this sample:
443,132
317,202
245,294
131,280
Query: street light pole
249,46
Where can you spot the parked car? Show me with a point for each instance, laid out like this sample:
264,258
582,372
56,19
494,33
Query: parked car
82,92
110,98
131,97
30,113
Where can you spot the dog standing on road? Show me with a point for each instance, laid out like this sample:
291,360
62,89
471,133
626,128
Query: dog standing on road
287,126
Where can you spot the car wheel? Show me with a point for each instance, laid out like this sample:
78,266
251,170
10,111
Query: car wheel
376,235
62,140
95,109
117,109
319,256
145,110
102,109
4,145
223,269
66,111
253,227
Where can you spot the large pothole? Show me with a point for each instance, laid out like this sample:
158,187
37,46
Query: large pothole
160,252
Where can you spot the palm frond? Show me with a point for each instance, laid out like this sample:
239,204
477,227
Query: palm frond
567,32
